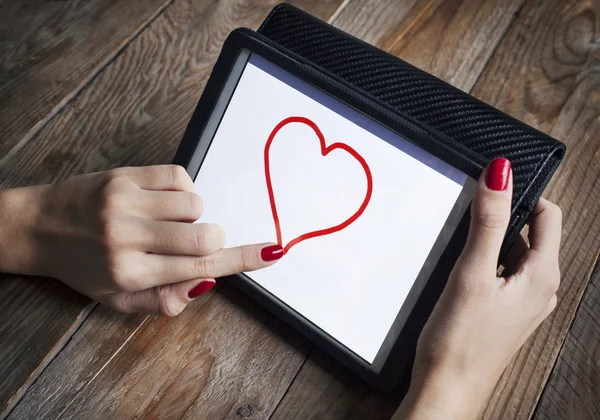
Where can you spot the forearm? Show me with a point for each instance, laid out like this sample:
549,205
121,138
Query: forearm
19,208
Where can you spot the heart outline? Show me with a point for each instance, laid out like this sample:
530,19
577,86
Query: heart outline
325,150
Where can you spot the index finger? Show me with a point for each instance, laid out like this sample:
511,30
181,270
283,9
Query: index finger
166,269
545,227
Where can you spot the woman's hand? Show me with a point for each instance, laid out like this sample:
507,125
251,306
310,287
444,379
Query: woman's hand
481,320
124,237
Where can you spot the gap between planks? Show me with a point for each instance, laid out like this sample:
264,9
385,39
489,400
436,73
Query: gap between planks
308,354
431,7
595,266
337,11
110,359
53,354
85,82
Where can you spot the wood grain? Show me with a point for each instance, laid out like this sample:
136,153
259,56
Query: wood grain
545,72
214,361
452,39
573,390
324,389
49,50
431,35
133,113
37,318
146,98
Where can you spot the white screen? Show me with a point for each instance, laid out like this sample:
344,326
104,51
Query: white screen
351,283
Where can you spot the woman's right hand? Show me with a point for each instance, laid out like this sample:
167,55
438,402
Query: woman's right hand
123,237
482,319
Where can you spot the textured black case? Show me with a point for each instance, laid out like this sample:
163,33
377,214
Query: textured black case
420,96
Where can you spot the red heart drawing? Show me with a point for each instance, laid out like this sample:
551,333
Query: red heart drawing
324,152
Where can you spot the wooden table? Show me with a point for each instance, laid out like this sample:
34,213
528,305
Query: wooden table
87,85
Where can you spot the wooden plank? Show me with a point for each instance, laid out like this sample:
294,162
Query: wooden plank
146,99
573,390
133,113
213,361
324,389
545,73
453,40
38,317
50,50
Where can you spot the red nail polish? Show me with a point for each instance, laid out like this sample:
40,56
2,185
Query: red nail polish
498,173
200,288
271,252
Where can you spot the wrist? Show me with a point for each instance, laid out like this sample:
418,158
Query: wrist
20,209
441,397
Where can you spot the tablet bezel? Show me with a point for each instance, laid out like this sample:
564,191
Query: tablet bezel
196,143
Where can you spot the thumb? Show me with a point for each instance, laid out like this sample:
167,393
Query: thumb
490,214
166,300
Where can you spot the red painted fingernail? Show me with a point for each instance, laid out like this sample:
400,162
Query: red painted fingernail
498,173
271,252
200,288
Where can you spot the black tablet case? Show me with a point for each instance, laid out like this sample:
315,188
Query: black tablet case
421,97
386,376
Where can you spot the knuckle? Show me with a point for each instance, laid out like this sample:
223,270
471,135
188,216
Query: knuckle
201,241
246,260
109,232
115,176
121,304
208,239
556,211
168,305
492,221
553,283
205,266
119,272
552,304
546,273
545,276
111,198
110,203
179,176
196,205
549,308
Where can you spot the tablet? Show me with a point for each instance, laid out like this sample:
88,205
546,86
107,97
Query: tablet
363,210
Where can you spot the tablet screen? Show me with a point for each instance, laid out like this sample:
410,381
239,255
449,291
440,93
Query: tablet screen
363,213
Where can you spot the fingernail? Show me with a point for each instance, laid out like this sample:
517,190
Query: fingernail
497,175
271,253
200,288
